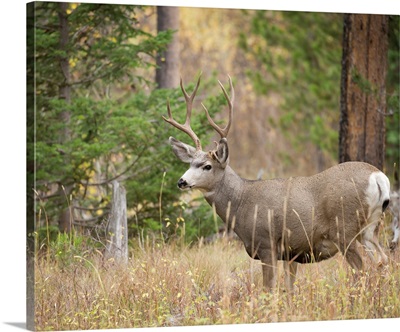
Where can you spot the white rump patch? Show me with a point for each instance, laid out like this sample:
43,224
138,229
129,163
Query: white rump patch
377,192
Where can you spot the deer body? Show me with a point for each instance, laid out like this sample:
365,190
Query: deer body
306,212
298,220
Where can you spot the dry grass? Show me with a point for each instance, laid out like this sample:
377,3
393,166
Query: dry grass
171,285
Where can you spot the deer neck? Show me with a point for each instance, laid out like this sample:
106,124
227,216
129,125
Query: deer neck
226,195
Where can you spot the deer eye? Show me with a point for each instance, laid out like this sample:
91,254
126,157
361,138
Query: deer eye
207,167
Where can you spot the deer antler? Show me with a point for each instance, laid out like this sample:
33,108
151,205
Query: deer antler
223,131
186,126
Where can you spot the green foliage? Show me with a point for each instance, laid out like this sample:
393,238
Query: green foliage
110,127
66,246
45,235
393,94
201,222
109,132
300,57
130,139
63,248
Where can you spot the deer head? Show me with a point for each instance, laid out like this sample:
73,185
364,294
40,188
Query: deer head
206,168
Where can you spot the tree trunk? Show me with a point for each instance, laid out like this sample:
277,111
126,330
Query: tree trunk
363,90
117,245
64,93
30,165
66,220
167,72
64,88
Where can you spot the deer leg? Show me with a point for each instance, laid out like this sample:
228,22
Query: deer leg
269,276
369,239
269,264
353,257
396,231
290,274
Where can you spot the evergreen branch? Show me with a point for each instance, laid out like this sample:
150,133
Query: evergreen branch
91,79
91,209
120,174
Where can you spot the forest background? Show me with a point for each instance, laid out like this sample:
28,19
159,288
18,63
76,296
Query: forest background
99,107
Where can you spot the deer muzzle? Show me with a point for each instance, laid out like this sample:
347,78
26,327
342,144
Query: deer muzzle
182,184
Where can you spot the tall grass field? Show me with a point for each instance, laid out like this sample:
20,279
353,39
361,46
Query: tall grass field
173,284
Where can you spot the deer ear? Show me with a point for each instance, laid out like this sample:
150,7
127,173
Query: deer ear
183,151
222,152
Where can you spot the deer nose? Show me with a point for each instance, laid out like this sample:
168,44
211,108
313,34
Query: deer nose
182,183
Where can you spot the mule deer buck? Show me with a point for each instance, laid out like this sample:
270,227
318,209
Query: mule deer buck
297,220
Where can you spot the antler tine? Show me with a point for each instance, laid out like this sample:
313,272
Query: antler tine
186,128
189,99
223,131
